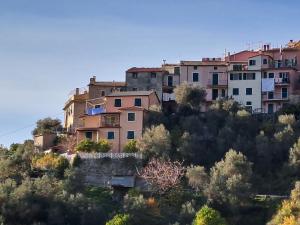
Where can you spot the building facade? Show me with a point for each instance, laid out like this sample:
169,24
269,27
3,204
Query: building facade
122,119
145,79
209,74
87,100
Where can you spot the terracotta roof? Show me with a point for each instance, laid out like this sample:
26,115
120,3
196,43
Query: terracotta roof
143,69
135,108
129,93
203,63
259,54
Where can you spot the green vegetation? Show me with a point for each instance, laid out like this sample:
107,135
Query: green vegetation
46,126
208,216
224,166
130,147
91,146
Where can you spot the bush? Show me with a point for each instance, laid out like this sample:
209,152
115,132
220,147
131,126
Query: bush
91,146
208,216
130,147
119,219
51,162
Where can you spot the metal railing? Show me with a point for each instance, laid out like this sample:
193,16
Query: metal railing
221,82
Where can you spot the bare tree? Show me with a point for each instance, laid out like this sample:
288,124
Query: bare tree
69,143
162,175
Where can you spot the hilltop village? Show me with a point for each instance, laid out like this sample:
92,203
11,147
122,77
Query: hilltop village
262,81
210,142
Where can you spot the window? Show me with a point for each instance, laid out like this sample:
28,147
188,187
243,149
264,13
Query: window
223,93
248,91
195,67
265,75
249,103
240,76
153,75
97,106
102,93
237,67
271,75
177,70
236,76
89,135
137,102
252,62
195,77
131,117
110,135
130,134
134,75
134,89
270,95
215,67
118,102
248,76
284,93
235,91
265,61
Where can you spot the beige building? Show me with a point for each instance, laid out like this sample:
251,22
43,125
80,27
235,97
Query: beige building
244,83
87,100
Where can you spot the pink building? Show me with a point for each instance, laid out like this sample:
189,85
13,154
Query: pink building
121,120
210,74
281,65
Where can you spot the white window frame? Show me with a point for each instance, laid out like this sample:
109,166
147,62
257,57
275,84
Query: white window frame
134,117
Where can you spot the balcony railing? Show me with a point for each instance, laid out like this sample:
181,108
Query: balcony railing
276,96
110,121
220,82
282,81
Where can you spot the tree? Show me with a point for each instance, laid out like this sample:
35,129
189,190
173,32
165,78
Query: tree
130,147
162,175
155,142
189,95
46,126
208,216
229,179
294,156
69,143
289,212
120,219
197,177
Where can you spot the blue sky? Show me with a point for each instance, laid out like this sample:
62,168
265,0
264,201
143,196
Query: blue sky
47,48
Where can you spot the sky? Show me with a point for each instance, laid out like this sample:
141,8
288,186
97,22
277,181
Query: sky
48,48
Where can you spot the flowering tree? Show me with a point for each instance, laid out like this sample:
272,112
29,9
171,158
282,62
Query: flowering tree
162,175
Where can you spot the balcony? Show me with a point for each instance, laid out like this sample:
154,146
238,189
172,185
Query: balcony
275,96
282,81
217,83
110,120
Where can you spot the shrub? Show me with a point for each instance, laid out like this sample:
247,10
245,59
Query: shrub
287,119
91,146
130,147
208,216
119,219
51,162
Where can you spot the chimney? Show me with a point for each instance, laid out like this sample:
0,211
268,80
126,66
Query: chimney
77,91
93,80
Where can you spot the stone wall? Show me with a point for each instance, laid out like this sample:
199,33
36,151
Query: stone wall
99,171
